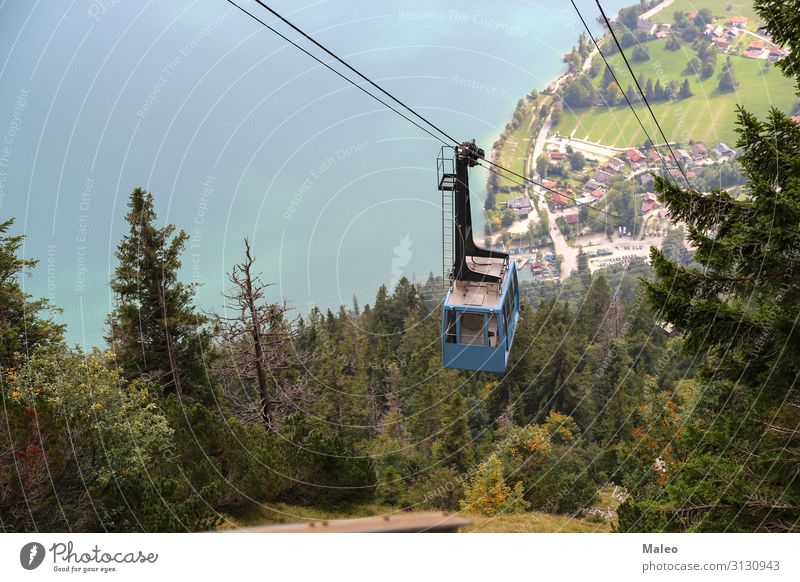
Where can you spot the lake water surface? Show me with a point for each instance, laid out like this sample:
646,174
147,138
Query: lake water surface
238,134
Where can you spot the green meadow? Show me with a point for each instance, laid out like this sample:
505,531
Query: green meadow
708,115
719,8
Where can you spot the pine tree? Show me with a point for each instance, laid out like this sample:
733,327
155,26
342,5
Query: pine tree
658,91
155,331
727,78
738,314
22,326
686,90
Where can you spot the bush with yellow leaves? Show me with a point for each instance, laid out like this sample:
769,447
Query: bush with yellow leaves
487,492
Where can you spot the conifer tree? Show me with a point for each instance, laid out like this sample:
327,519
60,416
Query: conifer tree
738,314
155,331
22,326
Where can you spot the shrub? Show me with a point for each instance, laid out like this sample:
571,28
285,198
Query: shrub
487,492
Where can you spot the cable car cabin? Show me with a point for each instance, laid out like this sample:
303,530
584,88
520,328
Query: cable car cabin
480,313
479,320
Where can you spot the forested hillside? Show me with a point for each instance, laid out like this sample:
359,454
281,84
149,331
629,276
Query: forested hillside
674,385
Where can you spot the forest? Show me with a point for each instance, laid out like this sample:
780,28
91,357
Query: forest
675,381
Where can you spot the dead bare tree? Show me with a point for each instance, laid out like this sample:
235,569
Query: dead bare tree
258,342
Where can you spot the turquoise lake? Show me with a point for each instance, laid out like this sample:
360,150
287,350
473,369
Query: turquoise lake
239,135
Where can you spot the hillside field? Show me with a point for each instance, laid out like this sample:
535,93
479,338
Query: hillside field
707,116
719,8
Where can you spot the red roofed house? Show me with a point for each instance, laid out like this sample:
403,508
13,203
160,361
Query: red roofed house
635,156
649,202
557,156
756,45
737,21
776,54
597,194
615,164
571,218
559,199
795,118
549,184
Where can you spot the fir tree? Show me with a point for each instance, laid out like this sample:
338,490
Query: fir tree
155,331
22,326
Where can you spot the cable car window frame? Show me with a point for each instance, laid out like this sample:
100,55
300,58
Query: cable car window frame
451,328
489,337
482,335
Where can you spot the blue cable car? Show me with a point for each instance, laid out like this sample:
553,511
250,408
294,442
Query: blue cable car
480,313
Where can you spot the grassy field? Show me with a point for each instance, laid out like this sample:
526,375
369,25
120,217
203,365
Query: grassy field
719,8
514,151
708,116
533,522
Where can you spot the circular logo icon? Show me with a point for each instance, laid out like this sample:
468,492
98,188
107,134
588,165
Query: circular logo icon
31,555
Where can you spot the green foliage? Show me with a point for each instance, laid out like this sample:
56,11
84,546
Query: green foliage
782,19
76,422
22,326
548,464
640,54
727,78
155,332
738,314
487,492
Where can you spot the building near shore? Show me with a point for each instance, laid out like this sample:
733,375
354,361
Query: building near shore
521,206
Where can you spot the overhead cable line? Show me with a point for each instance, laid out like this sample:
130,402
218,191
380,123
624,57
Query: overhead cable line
641,92
327,66
384,103
616,80
356,71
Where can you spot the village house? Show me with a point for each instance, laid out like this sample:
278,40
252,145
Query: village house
737,22
615,164
646,179
637,159
683,156
722,44
571,218
559,200
592,185
557,156
645,25
649,202
699,151
549,184
655,157
522,207
753,54
724,151
603,176
776,54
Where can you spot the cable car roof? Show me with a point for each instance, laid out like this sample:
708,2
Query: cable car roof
478,294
